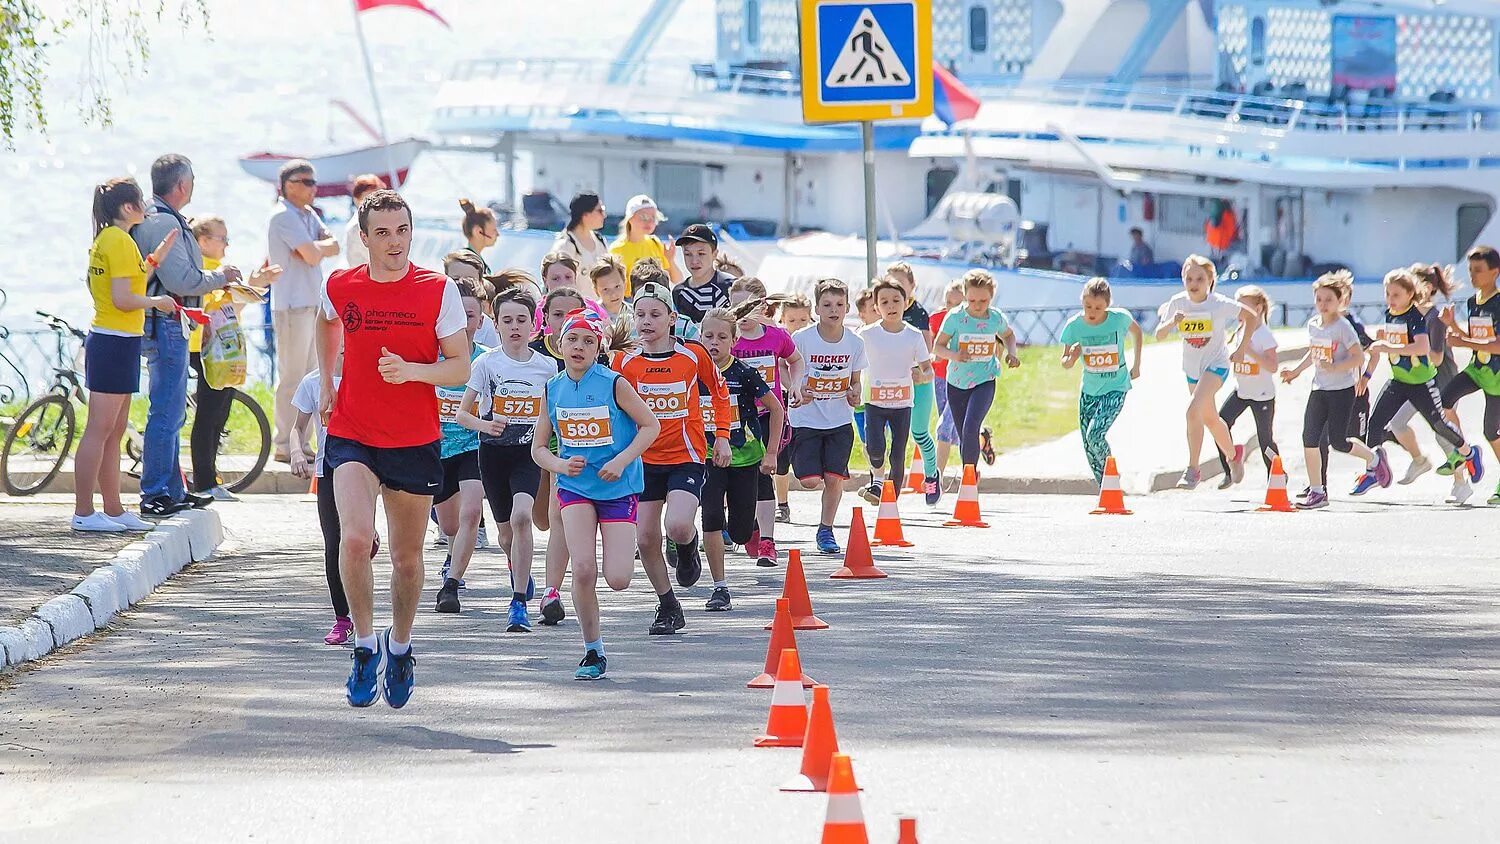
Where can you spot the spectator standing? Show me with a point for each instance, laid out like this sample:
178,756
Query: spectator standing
180,275
581,239
355,252
481,229
638,241
298,243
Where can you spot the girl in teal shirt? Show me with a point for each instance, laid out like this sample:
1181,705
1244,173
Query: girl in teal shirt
971,338
1097,335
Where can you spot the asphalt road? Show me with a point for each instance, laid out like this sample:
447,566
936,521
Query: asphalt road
1194,672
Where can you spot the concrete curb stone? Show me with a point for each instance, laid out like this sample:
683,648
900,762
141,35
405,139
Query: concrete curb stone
100,590
69,617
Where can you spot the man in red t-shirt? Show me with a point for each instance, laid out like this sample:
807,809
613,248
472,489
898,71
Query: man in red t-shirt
402,331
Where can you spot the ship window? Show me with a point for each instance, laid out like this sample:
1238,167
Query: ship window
979,29
1258,41
752,21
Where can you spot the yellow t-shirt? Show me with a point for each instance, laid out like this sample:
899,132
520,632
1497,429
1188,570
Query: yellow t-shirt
212,301
114,255
629,253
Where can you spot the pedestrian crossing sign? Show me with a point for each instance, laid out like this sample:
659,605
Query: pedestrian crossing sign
864,60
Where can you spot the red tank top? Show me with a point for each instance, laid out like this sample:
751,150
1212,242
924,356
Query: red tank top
400,316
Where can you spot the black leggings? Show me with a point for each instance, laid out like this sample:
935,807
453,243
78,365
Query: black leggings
729,496
1462,385
1358,429
1264,412
1425,399
1326,423
209,419
898,419
328,521
968,408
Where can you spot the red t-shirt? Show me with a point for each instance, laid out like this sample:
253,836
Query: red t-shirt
401,316
939,365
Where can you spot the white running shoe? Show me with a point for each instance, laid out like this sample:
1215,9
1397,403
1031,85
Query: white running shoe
1461,489
1417,469
97,522
482,540
131,521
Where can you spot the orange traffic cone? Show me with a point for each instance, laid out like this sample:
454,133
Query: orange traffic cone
818,746
914,476
788,720
794,590
908,833
858,564
312,488
1111,497
782,638
845,821
1276,500
966,511
888,519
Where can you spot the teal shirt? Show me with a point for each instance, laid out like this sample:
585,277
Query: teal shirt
1103,353
456,438
965,330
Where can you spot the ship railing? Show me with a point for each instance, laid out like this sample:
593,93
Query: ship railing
659,76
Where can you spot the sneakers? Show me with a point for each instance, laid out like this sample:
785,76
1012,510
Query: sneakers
447,566
932,491
1316,500
986,446
765,555
219,493
162,506
671,554
1382,468
552,608
481,539
871,494
784,513
363,686
342,632
752,548
1495,499
196,500
1451,464
591,668
1364,483
97,522
1237,464
447,596
400,673
131,521
1462,490
719,600
667,621
1475,463
1190,479
1417,469
826,543
689,565
518,621
1302,496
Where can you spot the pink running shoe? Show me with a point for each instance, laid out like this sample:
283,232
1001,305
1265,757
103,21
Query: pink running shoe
765,556
342,632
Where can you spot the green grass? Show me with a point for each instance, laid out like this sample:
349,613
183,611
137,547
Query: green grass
241,439
1033,404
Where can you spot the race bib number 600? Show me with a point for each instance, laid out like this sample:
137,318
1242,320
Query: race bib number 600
667,401
584,427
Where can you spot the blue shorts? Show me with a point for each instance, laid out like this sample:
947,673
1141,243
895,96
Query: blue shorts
414,469
946,432
1221,371
609,511
112,364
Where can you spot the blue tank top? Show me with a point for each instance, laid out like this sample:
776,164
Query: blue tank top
589,423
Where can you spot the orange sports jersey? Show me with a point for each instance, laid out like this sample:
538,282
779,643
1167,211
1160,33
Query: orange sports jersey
671,383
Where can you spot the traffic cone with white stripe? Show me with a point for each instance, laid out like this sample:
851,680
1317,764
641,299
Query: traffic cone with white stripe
787,723
794,590
1111,497
1276,498
845,821
888,519
858,563
908,831
782,638
966,511
818,746
914,477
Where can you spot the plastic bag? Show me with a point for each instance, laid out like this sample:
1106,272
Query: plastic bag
224,357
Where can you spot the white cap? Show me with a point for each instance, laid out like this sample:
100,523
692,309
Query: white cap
640,201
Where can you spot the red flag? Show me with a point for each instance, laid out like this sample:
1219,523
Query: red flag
367,5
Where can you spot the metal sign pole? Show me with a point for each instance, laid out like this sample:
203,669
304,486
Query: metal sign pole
867,133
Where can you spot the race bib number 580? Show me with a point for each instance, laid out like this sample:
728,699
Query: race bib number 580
584,427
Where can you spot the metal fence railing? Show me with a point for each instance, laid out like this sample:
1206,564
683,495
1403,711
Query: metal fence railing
1043,326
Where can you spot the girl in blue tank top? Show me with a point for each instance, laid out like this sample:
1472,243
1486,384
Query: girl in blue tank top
603,427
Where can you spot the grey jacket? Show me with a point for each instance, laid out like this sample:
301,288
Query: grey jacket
181,273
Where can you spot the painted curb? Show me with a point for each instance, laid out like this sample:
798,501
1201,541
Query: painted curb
134,572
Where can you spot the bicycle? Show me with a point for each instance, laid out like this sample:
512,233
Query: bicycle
42,437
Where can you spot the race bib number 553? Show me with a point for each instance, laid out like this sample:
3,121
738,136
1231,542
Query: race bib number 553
584,427
979,345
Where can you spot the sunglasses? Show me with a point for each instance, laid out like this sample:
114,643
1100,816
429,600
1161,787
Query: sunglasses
312,183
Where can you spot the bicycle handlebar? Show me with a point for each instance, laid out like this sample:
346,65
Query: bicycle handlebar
57,323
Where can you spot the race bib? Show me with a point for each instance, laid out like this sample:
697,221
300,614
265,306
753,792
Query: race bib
979,345
895,392
448,408
828,385
584,427
1103,360
1395,334
516,410
1196,327
765,366
1322,350
706,409
667,401
1246,367
1481,329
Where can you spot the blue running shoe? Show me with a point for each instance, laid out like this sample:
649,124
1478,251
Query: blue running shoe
1365,483
519,621
400,673
530,584
591,668
826,543
1475,463
363,688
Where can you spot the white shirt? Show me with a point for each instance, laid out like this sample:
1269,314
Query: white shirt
451,316
1203,327
299,282
511,388
587,249
487,335
355,252
892,354
305,399
1331,345
1252,381
830,368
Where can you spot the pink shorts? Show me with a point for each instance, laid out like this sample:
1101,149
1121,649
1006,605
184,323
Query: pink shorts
610,511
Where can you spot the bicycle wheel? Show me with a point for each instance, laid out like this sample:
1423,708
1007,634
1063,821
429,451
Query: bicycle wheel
245,445
37,445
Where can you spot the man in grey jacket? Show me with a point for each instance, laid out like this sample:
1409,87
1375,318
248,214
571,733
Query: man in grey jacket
165,346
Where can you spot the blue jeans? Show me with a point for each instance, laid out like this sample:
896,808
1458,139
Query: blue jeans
166,354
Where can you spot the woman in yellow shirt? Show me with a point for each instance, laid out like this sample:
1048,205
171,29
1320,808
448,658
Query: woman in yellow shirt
112,352
637,240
